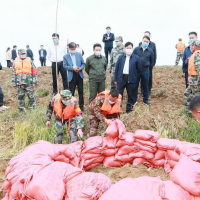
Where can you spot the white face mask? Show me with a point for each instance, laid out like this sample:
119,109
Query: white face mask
129,51
110,102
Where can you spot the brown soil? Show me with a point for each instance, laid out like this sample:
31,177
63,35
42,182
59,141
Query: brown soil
162,116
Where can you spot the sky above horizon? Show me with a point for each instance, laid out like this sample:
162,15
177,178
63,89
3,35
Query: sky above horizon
33,22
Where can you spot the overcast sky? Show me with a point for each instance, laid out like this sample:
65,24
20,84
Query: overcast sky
84,21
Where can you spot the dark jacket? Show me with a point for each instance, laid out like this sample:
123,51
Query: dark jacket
152,46
44,54
29,53
108,43
14,54
135,67
187,54
147,57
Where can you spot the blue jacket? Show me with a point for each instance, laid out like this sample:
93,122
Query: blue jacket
67,64
187,54
44,54
135,67
108,43
14,54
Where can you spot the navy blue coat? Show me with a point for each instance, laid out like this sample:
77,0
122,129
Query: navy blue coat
108,43
44,54
187,54
29,53
14,54
135,67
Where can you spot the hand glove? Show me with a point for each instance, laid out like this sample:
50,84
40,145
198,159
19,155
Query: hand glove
80,133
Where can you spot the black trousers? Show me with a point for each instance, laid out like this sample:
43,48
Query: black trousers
1,97
77,81
43,61
186,79
150,78
130,88
107,50
9,63
63,74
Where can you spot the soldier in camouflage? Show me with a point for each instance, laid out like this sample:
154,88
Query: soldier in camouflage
99,109
24,79
193,73
115,53
67,111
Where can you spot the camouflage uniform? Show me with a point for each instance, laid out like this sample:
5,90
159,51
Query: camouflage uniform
194,81
95,115
115,53
78,120
24,83
179,56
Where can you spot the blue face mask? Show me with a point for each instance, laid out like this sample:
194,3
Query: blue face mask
23,56
145,45
190,41
55,41
117,44
107,31
73,51
97,53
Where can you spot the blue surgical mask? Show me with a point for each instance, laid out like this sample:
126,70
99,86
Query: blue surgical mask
55,41
107,31
117,44
73,51
190,41
145,45
23,56
97,53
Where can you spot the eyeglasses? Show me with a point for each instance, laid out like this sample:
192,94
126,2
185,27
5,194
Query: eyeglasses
66,98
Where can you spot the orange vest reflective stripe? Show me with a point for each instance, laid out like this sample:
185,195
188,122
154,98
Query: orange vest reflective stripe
180,46
69,110
107,108
23,66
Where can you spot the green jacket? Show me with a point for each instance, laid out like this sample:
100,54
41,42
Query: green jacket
96,67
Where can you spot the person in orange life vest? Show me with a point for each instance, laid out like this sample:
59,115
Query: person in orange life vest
194,107
193,73
180,46
24,78
107,105
67,111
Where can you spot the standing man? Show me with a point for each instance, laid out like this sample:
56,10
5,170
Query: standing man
51,54
96,69
42,55
128,67
180,46
115,53
75,64
24,78
29,52
147,57
14,53
193,73
66,111
107,105
108,39
187,54
152,46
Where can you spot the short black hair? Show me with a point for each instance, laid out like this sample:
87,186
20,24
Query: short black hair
114,93
180,39
194,103
14,46
77,45
108,27
147,32
128,43
41,45
55,34
96,45
148,38
72,45
27,46
193,33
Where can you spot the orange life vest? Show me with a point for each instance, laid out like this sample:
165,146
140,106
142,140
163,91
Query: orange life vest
107,108
68,112
23,66
191,68
180,46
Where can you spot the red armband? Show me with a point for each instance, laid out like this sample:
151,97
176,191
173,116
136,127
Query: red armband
34,72
77,111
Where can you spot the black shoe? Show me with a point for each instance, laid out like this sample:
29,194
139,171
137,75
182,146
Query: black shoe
128,111
147,103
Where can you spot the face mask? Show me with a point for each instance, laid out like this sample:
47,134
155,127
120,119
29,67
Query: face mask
129,51
190,41
55,41
97,53
41,47
107,31
23,56
110,102
117,44
145,45
73,51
